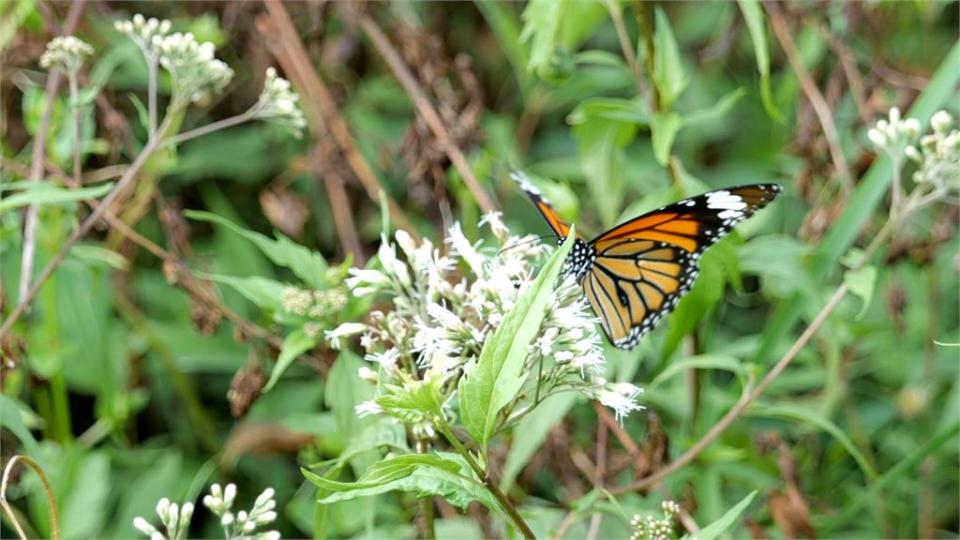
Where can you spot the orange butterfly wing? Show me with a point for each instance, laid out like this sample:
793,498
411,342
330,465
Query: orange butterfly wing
559,227
645,265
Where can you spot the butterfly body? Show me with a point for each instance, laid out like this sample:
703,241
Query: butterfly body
635,273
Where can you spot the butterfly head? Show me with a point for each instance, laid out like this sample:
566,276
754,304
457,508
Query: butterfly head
579,260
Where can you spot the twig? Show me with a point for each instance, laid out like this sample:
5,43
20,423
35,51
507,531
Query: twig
749,396
37,160
601,470
488,482
426,110
616,15
51,500
820,107
622,437
281,38
210,128
848,63
125,181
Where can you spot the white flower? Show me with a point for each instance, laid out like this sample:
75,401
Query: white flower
367,374
334,337
196,72
621,397
146,33
495,223
144,526
877,137
387,359
368,408
462,247
65,53
279,103
940,121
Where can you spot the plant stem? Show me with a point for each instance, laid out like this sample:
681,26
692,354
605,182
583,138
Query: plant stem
151,92
125,181
75,105
426,503
505,503
209,128
51,500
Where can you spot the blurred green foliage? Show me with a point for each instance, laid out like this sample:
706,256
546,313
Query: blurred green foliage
117,379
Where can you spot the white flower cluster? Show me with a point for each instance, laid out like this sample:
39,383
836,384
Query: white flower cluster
445,306
894,133
278,103
312,304
65,53
195,70
938,158
174,519
146,33
651,528
242,525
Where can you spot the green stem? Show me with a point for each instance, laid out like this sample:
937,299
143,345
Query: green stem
488,483
426,503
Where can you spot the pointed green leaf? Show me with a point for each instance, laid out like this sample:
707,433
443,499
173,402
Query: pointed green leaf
308,265
663,130
668,73
497,376
443,475
753,15
720,526
42,193
294,344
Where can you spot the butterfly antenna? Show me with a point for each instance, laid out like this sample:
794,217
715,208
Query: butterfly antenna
525,242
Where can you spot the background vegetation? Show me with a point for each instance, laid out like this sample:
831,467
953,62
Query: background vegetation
139,370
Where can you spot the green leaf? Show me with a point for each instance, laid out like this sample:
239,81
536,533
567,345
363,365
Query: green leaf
619,110
663,130
804,414
753,15
716,111
294,344
344,390
12,417
861,283
905,468
498,374
263,292
541,22
668,74
413,401
308,265
422,474
701,361
601,142
531,431
46,193
720,526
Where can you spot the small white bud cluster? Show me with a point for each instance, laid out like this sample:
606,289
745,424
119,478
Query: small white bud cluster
196,71
174,519
65,53
895,132
146,33
311,303
938,158
278,103
651,528
242,524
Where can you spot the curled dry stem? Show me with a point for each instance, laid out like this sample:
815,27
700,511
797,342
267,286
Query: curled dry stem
51,500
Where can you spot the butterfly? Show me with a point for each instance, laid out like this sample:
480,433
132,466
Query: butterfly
635,273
